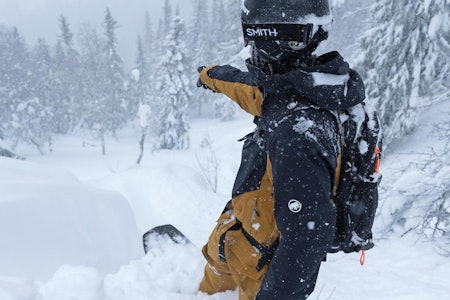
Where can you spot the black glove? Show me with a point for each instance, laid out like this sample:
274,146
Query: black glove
357,244
199,82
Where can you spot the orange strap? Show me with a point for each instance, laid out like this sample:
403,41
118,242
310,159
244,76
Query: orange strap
362,259
377,160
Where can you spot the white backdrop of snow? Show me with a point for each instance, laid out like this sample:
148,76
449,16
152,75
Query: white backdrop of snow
168,188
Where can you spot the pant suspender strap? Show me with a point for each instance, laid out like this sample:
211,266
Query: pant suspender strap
266,253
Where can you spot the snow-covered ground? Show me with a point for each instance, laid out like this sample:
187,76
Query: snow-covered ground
71,224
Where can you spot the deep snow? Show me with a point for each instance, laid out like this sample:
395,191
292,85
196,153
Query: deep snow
168,187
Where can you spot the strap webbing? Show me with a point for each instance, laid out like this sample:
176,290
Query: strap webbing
235,227
266,253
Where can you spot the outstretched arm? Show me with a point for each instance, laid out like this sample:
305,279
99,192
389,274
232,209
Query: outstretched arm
235,84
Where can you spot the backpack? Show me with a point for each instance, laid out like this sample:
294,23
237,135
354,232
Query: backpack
356,193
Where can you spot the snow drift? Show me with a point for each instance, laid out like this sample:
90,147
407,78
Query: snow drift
48,218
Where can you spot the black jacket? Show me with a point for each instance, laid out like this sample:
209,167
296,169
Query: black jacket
303,157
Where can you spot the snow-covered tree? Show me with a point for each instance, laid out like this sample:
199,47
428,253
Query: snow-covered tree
141,76
149,42
174,90
141,94
215,38
167,19
18,107
72,73
5,64
351,19
405,59
42,84
67,81
62,107
112,103
200,41
93,61
201,52
418,199
227,47
227,21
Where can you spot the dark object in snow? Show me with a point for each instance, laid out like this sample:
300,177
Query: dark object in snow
7,153
168,230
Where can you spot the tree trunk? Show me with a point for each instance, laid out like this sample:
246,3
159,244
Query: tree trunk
141,146
103,144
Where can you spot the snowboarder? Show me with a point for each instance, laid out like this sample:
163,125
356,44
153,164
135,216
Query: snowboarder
288,219
246,236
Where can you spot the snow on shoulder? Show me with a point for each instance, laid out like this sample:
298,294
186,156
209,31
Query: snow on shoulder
329,79
48,219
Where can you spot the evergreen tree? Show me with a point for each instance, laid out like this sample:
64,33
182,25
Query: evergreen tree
19,108
42,85
5,112
174,91
405,58
151,51
343,35
218,25
93,62
112,103
200,35
141,92
231,42
62,105
436,62
149,39
66,34
141,75
67,71
159,33
166,24
73,75
200,49
226,47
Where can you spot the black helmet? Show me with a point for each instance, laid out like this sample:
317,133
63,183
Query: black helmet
279,28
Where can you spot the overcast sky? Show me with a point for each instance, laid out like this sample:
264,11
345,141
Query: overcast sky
39,18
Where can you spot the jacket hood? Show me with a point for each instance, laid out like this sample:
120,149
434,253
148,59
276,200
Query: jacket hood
328,82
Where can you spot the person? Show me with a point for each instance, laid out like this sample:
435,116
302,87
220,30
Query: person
244,239
296,96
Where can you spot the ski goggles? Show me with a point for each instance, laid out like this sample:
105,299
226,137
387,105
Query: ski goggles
296,36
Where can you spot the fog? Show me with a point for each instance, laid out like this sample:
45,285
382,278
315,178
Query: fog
40,18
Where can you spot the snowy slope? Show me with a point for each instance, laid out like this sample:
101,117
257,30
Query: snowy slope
48,218
169,188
